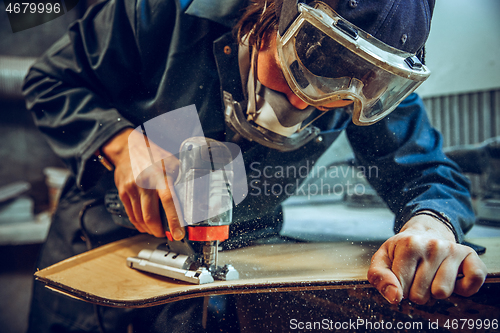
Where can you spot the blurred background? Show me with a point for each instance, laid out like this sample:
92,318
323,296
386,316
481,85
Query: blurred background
30,173
462,96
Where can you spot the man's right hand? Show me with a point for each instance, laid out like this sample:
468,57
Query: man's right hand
142,204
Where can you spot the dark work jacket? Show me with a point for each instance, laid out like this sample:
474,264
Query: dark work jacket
127,62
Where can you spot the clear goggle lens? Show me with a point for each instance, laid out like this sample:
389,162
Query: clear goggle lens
323,65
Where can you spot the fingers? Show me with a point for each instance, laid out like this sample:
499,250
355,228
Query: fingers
151,213
407,253
430,257
130,213
382,277
446,275
143,211
128,196
142,202
420,268
141,182
142,208
173,218
474,271
169,202
463,260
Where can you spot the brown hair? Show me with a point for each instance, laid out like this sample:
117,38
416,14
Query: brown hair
260,18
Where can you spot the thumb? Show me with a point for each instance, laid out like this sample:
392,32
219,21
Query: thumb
381,276
173,211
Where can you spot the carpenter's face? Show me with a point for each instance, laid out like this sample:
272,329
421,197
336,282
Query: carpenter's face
270,75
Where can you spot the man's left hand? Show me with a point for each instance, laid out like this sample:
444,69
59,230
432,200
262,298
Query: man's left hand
423,261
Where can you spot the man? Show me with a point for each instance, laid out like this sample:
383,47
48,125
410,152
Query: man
125,63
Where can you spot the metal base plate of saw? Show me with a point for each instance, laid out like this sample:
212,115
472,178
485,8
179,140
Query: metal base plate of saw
178,260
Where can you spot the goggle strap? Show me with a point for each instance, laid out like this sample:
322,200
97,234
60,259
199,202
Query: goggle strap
312,121
252,98
289,12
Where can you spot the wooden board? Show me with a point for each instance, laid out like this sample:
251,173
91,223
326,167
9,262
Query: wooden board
101,276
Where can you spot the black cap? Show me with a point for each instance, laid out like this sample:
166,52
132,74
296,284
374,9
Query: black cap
403,24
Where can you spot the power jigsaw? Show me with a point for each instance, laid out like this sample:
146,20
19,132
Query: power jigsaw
203,188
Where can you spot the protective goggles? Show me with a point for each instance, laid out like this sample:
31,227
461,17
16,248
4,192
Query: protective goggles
324,58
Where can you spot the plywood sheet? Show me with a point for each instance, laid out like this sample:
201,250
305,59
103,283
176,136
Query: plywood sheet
101,276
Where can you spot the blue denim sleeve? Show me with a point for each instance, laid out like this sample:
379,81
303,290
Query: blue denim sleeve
413,173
